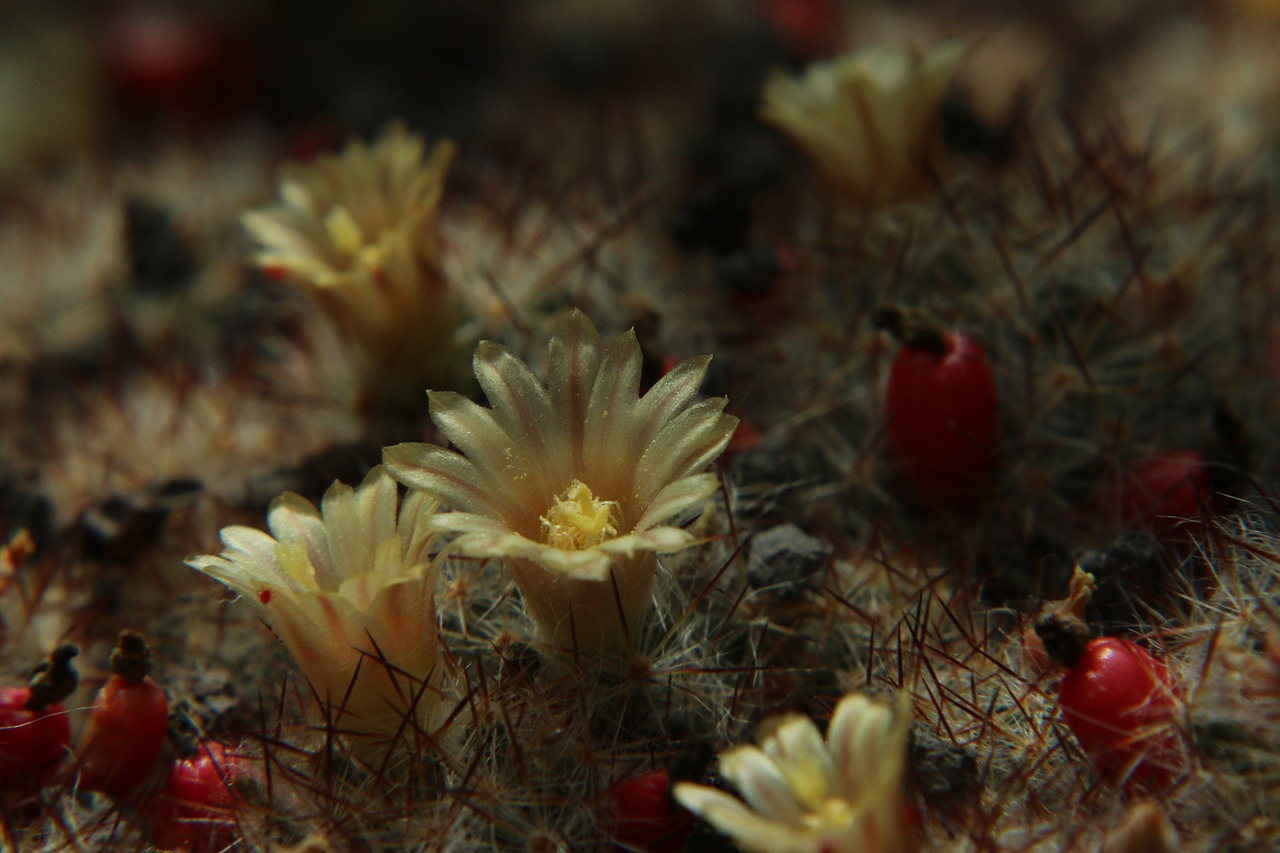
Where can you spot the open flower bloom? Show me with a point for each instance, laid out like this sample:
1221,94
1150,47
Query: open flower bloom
869,118
359,232
571,483
804,795
350,591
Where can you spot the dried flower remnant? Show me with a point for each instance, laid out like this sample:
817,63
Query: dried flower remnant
1143,828
571,483
359,232
807,795
868,118
350,590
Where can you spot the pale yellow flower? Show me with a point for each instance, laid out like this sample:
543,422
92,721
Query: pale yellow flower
350,590
571,483
869,118
806,795
359,232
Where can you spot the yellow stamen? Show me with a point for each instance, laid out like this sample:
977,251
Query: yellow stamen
578,520
344,231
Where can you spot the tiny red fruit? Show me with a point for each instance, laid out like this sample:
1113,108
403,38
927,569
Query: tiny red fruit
811,28
641,816
1116,698
193,812
163,63
941,412
1164,491
128,724
1119,703
35,734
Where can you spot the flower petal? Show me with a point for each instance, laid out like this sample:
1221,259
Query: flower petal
748,830
573,367
686,445
506,474
761,783
522,407
660,539
293,517
610,421
866,747
447,476
797,748
678,497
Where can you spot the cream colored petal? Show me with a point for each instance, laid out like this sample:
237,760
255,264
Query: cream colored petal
443,474
270,230
332,639
747,829
249,541
379,500
293,517
248,573
573,367
684,446
296,195
244,576
314,628
415,536
761,783
522,408
677,498
797,748
506,472
437,166
667,397
660,539
866,747
610,420
350,546
465,522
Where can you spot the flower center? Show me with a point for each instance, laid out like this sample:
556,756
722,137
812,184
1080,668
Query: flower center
578,520
349,240
344,231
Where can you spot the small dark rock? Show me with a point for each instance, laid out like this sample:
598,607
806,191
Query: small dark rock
159,256
942,770
785,554
1132,569
115,529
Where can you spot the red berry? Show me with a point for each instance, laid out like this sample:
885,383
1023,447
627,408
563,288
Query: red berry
1118,701
811,28
35,734
941,417
193,812
128,725
1163,491
32,743
169,64
640,815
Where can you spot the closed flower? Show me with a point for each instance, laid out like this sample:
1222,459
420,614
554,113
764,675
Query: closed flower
868,119
349,588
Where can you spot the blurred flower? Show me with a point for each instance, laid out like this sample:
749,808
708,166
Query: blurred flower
868,118
804,795
571,483
359,232
349,589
